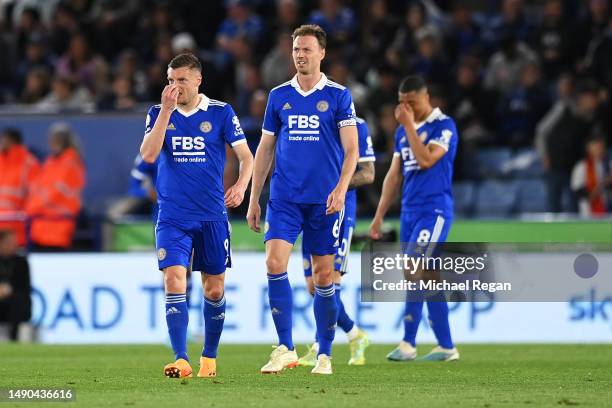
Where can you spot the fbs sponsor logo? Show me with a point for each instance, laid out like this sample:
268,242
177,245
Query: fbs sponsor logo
171,126
286,106
172,310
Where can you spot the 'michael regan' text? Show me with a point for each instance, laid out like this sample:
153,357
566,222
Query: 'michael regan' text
443,285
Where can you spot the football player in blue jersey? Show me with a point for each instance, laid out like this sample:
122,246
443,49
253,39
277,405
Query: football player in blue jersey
425,148
310,130
187,134
364,174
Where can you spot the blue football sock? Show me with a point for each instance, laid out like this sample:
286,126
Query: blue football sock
326,316
344,321
177,318
214,317
438,319
281,305
412,318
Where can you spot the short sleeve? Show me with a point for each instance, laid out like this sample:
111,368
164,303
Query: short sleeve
366,149
271,123
397,151
345,114
445,136
232,131
150,120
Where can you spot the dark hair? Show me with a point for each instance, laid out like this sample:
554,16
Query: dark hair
412,83
186,60
314,30
13,134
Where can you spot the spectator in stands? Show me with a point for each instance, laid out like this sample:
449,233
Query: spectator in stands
65,96
463,32
520,110
18,169
589,29
512,19
15,288
383,89
277,66
404,42
472,106
63,26
127,66
81,65
340,72
379,31
36,86
506,65
287,16
241,22
552,39
114,21
592,179
36,57
561,139
55,199
121,98
29,26
429,62
338,22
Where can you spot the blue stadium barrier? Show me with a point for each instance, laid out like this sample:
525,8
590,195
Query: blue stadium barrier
532,196
464,196
492,161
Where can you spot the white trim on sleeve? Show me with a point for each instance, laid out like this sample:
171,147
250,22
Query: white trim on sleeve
267,132
366,159
442,145
239,142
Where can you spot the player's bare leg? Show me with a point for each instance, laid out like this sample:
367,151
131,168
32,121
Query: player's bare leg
281,304
214,316
175,283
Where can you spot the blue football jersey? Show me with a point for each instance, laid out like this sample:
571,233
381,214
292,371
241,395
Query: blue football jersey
431,189
306,125
191,162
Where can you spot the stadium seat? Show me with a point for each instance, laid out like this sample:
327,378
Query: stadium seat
531,196
464,194
492,162
496,198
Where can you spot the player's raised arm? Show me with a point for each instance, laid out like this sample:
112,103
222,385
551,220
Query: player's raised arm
391,186
425,155
235,194
349,140
263,161
154,137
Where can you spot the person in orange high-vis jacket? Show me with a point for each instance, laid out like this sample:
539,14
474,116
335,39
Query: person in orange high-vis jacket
55,200
18,168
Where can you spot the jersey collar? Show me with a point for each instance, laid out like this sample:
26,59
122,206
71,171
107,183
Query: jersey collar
435,114
318,86
203,105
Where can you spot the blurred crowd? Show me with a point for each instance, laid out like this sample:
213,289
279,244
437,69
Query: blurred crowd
512,73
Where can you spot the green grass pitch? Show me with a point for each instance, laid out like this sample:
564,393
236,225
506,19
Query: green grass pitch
486,376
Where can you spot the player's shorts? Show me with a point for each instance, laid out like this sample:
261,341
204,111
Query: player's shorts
348,226
209,241
420,232
286,220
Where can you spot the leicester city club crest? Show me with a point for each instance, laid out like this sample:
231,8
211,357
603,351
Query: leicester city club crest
161,254
322,106
206,126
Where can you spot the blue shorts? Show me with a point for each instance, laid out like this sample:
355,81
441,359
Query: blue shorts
286,220
348,226
208,240
420,232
